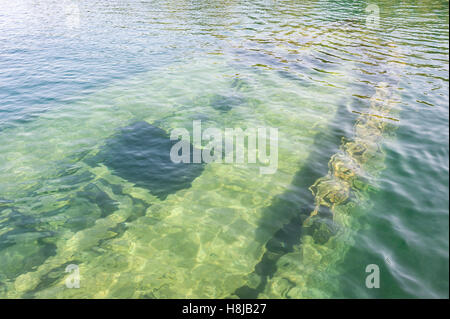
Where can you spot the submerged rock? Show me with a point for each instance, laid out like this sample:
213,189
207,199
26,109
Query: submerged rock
140,153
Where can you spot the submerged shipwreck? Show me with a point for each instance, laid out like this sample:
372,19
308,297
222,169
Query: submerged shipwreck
130,222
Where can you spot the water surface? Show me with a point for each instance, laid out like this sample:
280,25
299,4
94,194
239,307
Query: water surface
90,91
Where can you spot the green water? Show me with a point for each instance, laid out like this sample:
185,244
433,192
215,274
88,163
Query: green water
81,100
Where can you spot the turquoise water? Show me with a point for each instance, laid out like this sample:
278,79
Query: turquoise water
89,93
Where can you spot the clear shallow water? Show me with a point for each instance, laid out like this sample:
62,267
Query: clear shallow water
73,89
